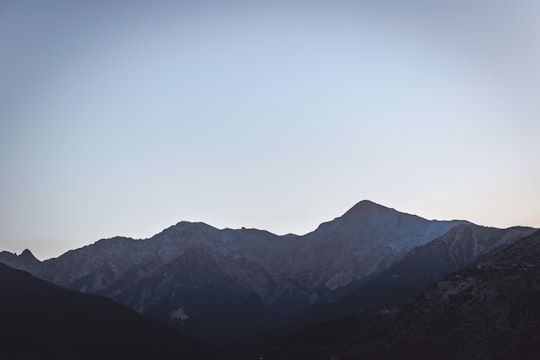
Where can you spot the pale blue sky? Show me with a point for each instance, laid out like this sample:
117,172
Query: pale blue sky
125,119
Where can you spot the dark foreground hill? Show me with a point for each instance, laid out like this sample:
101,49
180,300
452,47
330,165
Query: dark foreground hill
487,311
39,320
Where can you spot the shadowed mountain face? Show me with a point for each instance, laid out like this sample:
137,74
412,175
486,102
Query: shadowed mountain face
43,321
201,280
422,266
487,311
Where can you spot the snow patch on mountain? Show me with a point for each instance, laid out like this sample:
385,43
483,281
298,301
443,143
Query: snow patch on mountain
179,314
339,279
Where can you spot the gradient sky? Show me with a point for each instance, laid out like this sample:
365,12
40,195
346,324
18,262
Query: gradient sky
123,118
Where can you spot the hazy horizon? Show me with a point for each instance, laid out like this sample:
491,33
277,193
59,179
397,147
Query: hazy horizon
123,118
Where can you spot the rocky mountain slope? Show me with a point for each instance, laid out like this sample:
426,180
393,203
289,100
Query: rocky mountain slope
424,265
490,310
364,241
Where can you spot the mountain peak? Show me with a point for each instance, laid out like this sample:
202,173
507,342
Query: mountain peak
366,206
27,255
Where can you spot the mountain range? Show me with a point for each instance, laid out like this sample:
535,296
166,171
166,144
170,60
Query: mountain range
238,287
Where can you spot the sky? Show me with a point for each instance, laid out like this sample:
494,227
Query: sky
126,117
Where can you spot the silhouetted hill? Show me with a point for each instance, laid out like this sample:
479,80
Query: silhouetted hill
39,320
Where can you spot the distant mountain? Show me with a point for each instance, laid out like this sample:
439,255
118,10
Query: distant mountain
43,321
490,310
366,240
25,261
186,274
